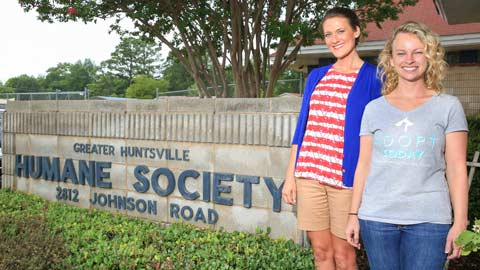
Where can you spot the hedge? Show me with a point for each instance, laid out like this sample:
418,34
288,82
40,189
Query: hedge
93,239
474,145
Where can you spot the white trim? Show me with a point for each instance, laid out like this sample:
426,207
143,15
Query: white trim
440,9
377,45
460,40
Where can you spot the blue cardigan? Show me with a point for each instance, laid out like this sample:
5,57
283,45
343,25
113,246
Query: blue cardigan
367,87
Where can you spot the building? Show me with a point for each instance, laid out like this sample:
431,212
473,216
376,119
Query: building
458,11
461,41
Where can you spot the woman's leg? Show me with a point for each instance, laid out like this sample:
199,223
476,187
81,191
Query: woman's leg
344,254
321,242
423,246
382,243
322,211
313,217
339,201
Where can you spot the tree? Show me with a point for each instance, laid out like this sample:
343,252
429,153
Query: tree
291,82
70,77
5,89
81,74
56,78
23,84
133,56
175,74
145,87
107,84
206,35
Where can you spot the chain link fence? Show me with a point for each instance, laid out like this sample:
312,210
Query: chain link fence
57,95
282,86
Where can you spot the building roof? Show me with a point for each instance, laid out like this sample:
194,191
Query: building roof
453,37
425,12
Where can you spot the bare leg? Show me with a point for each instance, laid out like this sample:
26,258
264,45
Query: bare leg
323,252
344,254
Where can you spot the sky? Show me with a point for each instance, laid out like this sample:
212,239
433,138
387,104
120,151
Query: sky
29,46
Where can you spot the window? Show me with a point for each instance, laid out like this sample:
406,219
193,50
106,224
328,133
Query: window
463,57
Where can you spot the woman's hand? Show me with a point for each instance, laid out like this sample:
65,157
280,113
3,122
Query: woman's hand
452,249
353,231
289,192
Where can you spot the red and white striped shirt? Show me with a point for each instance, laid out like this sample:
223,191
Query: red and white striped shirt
321,153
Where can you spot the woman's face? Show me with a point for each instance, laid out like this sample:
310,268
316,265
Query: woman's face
340,36
408,57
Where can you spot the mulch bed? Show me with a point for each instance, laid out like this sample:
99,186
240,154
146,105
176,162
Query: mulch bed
470,262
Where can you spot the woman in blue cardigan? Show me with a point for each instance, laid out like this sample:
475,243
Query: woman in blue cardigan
325,146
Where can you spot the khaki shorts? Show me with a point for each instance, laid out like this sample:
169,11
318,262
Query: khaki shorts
321,207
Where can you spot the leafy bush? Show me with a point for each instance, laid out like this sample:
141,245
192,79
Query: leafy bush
474,145
471,260
470,239
28,243
100,240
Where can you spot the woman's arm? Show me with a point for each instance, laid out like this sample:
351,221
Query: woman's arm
361,173
289,192
456,172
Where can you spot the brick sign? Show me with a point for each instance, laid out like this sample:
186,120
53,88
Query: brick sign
210,162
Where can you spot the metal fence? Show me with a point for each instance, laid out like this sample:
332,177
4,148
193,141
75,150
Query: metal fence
282,86
57,95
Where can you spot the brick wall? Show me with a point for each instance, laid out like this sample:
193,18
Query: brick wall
464,82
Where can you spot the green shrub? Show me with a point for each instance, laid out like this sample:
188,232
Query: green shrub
28,243
474,145
99,240
472,261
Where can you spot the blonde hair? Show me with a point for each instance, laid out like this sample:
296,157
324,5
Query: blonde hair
434,52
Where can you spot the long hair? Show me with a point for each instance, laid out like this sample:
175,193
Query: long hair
434,53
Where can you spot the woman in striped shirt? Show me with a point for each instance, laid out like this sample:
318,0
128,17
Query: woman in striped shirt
325,146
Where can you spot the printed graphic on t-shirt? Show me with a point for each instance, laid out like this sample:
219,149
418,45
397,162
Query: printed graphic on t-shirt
402,145
404,123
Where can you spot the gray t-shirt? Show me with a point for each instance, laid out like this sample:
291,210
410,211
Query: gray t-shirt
406,183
